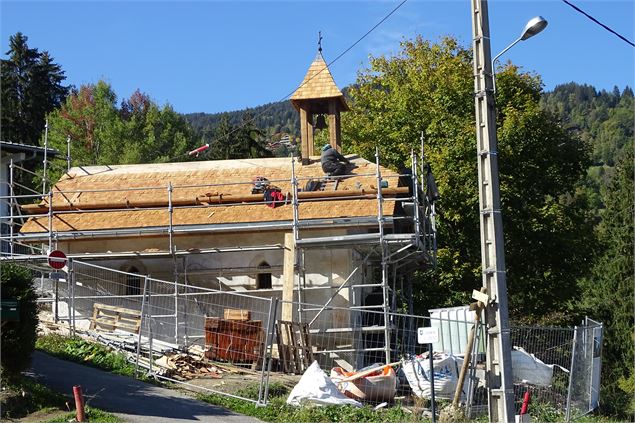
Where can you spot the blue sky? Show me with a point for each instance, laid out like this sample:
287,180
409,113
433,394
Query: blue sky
214,56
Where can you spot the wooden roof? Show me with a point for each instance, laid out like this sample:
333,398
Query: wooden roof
317,84
113,197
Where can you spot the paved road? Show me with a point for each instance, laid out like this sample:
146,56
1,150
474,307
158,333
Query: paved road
130,399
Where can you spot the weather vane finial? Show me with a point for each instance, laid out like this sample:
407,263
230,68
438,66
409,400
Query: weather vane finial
320,41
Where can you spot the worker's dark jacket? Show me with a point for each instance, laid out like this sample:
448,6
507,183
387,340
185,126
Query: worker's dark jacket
333,162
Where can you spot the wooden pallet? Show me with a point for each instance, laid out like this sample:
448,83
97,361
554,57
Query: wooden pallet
294,346
108,318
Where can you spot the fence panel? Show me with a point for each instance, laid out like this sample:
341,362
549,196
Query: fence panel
552,346
222,337
212,341
585,369
224,341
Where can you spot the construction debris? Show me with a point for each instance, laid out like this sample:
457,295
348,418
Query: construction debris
184,366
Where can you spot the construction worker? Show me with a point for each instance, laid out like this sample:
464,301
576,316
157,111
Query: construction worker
333,163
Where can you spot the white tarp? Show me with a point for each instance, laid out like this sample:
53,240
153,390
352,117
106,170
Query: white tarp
315,387
530,370
446,374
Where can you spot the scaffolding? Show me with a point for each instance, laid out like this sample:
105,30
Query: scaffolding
388,247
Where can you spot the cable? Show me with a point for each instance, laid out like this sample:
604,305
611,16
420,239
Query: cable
598,22
243,124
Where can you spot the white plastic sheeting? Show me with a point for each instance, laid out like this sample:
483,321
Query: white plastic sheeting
530,370
446,374
315,387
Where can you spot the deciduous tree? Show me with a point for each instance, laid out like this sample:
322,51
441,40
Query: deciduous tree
101,133
428,87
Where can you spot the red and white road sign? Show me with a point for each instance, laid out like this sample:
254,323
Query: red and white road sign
57,259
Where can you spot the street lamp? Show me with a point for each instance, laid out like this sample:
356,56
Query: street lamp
533,27
499,378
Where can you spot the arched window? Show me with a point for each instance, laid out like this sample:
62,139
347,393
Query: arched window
263,279
133,282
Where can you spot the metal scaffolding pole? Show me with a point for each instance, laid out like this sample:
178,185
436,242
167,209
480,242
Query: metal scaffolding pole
299,258
499,372
45,160
11,200
50,221
174,264
71,281
415,200
384,260
141,322
68,153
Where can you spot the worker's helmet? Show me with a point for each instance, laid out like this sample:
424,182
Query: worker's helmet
326,147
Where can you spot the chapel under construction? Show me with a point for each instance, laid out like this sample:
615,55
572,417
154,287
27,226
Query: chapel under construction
269,228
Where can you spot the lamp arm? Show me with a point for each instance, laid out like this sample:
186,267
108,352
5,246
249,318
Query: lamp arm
496,58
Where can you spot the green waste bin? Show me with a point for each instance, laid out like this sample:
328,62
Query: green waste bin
10,310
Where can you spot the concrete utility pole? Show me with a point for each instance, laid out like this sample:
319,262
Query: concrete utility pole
499,371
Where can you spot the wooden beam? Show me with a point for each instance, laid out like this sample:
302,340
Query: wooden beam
288,277
202,200
304,136
335,130
309,137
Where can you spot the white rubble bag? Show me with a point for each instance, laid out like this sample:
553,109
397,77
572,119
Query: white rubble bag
315,387
446,374
530,370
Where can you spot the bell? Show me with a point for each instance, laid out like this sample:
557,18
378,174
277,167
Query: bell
320,122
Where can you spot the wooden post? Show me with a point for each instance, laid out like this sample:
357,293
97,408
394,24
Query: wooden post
304,136
309,136
478,308
288,277
335,130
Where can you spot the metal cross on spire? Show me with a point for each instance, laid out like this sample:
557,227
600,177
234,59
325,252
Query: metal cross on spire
320,41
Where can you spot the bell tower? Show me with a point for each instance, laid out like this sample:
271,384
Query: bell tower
318,96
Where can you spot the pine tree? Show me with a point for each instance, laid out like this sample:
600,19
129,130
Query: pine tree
609,294
31,88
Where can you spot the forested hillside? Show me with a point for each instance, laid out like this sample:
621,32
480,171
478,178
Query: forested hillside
602,119
273,119
605,119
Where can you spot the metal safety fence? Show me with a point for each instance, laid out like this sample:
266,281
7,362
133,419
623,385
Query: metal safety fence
554,364
225,341
211,341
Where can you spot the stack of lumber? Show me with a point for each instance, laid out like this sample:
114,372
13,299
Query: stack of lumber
185,366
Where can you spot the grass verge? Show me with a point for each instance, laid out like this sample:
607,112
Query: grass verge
25,396
92,415
85,352
96,355
278,411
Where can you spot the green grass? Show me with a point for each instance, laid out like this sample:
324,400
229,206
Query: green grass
277,409
92,415
96,355
25,396
85,352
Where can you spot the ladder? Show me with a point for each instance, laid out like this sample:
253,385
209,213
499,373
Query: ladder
328,184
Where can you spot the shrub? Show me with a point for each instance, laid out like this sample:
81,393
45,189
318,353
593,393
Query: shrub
18,338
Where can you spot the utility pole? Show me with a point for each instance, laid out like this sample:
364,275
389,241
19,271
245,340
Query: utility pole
500,391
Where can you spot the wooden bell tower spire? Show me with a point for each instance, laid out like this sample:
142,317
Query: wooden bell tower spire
318,95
